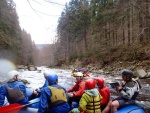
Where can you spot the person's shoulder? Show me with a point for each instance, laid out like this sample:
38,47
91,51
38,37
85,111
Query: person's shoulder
60,87
19,82
3,85
55,86
85,95
81,83
45,89
105,89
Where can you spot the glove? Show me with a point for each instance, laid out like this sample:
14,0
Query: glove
75,110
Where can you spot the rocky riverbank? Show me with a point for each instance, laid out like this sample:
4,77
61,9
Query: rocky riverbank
140,69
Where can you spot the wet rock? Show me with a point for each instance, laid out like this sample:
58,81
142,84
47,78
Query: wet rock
148,74
20,67
24,81
141,73
101,71
39,71
26,67
107,72
32,68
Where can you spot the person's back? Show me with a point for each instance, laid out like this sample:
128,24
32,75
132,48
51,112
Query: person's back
104,91
53,97
14,90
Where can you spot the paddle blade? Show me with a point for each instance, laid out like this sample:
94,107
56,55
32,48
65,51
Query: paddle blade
12,108
15,108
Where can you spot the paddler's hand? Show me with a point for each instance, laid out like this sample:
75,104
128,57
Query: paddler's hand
70,94
118,88
123,83
35,92
75,110
37,89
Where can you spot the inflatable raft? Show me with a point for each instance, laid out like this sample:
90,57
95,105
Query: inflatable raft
32,107
131,109
126,109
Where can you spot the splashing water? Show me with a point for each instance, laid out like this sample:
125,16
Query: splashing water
5,67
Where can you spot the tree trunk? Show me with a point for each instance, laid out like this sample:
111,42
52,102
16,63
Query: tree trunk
147,22
128,22
67,50
113,33
140,27
85,39
132,23
123,32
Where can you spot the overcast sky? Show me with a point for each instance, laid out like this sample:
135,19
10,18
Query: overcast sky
42,27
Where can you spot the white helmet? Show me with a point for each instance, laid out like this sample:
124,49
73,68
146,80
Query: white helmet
79,74
45,73
11,74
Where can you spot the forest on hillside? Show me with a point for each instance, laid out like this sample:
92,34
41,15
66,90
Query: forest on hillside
15,43
103,32
98,32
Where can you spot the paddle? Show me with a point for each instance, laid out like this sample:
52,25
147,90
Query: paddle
14,108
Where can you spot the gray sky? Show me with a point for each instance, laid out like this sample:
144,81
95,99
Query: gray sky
41,27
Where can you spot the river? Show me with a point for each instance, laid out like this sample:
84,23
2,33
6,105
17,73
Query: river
36,79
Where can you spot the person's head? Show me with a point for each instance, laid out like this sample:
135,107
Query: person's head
74,70
12,76
84,71
127,74
79,70
45,73
100,82
52,79
90,84
79,76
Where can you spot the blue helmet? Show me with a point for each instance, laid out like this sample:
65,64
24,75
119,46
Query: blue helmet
52,78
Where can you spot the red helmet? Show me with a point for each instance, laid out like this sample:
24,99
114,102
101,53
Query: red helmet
90,83
100,82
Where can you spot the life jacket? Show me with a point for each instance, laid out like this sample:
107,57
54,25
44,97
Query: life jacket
14,94
94,105
132,83
138,82
58,96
